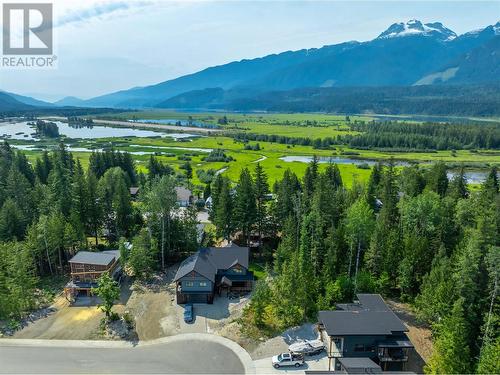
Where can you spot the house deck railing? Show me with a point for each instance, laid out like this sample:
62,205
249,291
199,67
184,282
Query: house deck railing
393,359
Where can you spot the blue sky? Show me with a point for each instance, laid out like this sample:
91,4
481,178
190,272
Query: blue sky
104,46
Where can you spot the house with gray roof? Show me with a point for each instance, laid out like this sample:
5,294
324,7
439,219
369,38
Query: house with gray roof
367,328
211,271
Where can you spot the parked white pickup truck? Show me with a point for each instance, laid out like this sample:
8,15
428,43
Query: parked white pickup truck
287,359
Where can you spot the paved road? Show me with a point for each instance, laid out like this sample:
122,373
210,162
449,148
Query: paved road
182,355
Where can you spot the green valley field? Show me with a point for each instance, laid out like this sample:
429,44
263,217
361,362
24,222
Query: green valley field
228,131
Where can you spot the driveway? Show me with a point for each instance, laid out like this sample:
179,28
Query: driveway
79,321
209,318
316,363
182,354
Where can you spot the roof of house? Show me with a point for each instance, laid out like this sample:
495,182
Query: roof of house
359,365
208,260
102,258
369,316
183,194
134,190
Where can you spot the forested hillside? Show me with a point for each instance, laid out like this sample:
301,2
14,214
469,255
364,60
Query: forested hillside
459,100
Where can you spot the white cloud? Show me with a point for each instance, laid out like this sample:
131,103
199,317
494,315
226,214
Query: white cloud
77,11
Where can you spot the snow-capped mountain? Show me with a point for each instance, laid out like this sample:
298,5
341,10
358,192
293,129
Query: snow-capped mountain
495,29
415,27
407,53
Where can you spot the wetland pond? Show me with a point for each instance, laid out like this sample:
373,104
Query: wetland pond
22,131
472,176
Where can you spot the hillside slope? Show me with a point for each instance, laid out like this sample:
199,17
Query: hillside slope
8,103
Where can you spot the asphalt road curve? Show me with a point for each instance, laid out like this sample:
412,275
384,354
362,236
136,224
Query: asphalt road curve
183,355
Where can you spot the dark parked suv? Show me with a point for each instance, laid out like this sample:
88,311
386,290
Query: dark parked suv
188,313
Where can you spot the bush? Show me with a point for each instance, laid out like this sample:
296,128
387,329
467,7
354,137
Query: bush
114,317
129,320
363,166
217,155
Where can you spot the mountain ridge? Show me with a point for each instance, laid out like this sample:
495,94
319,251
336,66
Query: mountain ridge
405,54
384,61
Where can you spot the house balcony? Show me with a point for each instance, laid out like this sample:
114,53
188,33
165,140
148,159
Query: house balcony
397,358
394,350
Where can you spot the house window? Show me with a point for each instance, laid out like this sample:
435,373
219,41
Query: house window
237,269
189,283
203,283
359,348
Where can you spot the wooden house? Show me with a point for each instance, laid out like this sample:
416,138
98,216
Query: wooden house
87,267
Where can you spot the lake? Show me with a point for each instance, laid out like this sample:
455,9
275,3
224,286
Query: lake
21,130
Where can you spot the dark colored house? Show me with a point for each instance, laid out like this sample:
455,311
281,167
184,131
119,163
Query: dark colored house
348,366
87,267
358,366
213,270
366,328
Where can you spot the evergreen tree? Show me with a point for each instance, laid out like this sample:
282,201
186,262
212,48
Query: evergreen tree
411,181
114,196
261,297
141,258
491,185
160,200
451,353
245,209
12,221
261,187
215,190
470,280
332,174
17,280
489,361
80,196
389,196
372,189
310,177
95,213
458,185
288,244
285,192
437,179
359,226
224,210
437,292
